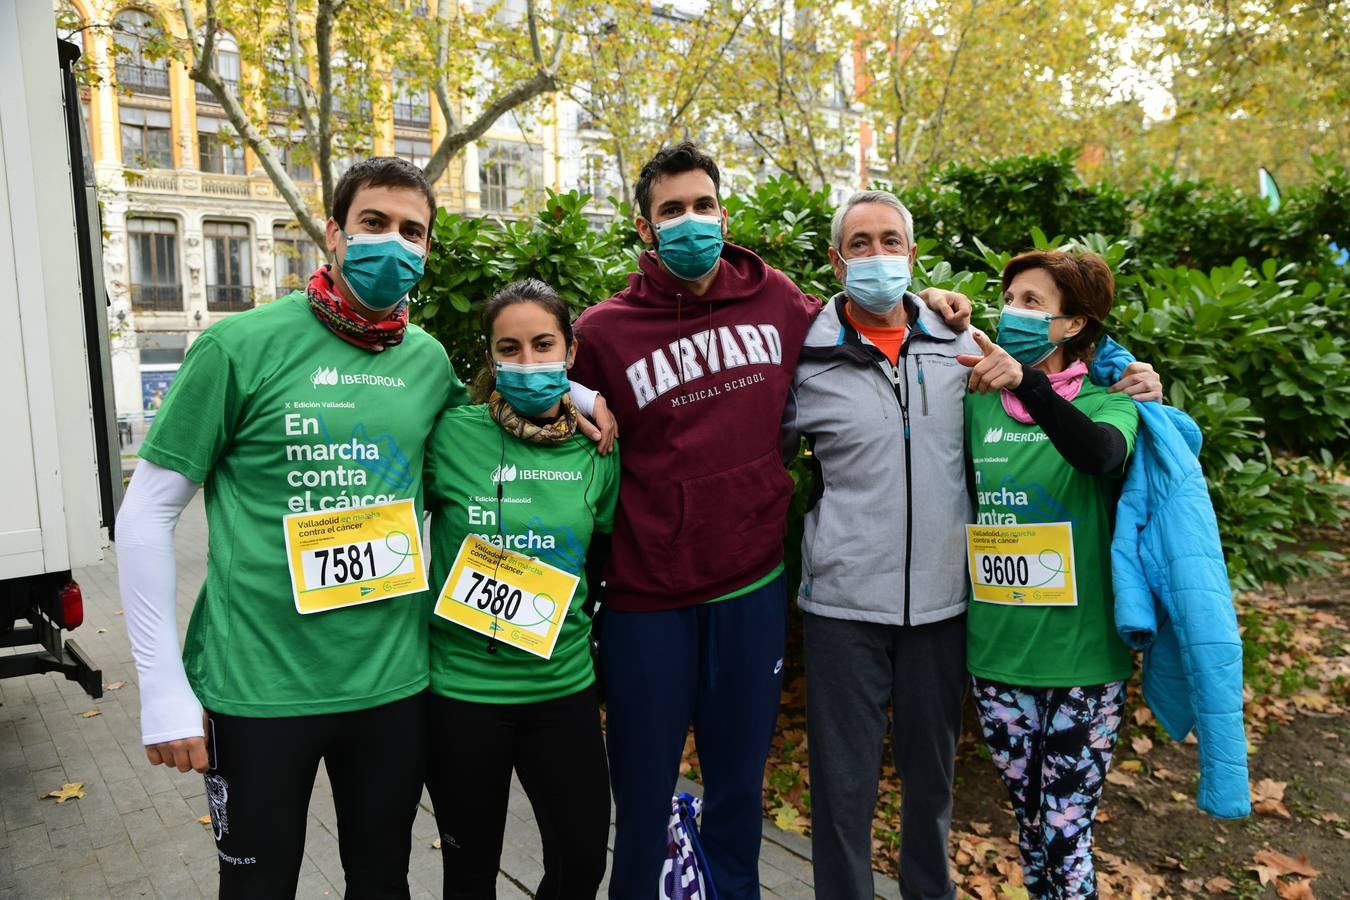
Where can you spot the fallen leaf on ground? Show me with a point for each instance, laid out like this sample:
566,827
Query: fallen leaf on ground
1271,808
204,820
981,828
68,792
114,685
1132,765
90,713
787,819
1286,865
1143,715
1295,890
1268,789
1141,745
118,613
1218,885
1192,885
1179,797
1012,892
1117,777
1102,816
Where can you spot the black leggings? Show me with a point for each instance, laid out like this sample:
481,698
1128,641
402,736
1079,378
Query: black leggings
556,749
259,786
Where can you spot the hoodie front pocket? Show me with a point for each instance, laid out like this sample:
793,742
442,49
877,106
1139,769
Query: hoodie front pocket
734,513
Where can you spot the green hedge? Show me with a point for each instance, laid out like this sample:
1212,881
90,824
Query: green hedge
1255,353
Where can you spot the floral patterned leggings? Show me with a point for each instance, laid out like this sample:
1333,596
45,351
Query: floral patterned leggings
1052,747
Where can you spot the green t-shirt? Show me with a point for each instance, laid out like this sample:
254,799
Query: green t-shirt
553,498
1020,478
274,414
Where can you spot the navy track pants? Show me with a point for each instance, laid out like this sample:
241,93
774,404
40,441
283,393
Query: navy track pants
719,666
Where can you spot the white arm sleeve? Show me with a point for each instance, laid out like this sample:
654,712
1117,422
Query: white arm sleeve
583,398
145,569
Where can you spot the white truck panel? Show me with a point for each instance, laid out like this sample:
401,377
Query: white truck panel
41,292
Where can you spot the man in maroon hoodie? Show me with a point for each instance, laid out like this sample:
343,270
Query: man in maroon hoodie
695,358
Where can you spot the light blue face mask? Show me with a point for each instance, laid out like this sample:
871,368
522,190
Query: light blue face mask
689,245
1025,334
531,388
381,268
876,283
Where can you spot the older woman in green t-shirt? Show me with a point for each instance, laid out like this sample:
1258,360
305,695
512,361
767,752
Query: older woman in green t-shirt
516,496
1048,448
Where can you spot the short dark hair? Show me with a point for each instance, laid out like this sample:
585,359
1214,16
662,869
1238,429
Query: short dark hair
683,157
1086,288
523,290
380,171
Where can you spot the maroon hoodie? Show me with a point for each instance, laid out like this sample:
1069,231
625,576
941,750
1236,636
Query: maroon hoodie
698,386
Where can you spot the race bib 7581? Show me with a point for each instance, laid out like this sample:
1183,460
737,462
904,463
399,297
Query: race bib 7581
352,556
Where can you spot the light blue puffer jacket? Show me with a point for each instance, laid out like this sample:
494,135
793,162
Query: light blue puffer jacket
1173,598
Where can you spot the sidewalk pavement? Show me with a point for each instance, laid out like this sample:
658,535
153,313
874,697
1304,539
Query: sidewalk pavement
135,832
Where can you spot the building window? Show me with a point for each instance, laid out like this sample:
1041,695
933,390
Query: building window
225,63
412,104
595,179
147,141
507,173
415,151
154,264
229,266
138,68
219,150
296,258
283,94
295,157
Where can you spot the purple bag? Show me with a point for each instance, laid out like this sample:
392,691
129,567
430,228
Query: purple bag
686,875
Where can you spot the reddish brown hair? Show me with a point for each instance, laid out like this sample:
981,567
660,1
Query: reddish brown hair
1086,288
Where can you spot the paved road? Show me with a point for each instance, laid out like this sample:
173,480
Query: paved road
136,833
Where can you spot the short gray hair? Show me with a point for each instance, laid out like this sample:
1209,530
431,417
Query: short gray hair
885,197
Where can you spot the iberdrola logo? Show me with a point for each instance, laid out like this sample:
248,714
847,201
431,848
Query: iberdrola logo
324,376
993,435
503,473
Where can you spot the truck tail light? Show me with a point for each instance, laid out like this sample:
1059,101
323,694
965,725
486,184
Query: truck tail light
72,606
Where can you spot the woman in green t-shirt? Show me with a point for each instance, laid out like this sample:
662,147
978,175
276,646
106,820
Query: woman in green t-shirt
1048,448
516,497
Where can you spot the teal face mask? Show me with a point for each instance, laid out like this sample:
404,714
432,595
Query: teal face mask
381,268
876,283
1025,334
531,388
689,245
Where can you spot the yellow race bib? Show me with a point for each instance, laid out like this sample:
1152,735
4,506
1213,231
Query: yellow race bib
352,556
1022,565
503,594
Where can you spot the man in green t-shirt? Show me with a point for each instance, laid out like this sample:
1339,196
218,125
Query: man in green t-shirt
305,421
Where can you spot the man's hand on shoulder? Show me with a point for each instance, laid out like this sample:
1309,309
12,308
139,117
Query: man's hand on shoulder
1140,381
604,429
954,308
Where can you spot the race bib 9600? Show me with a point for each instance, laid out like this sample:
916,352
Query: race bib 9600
1022,565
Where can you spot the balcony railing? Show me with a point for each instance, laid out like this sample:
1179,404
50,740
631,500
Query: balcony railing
229,297
204,94
157,297
412,115
143,79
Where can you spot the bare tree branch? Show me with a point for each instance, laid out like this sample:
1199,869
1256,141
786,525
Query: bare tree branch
544,80
202,72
